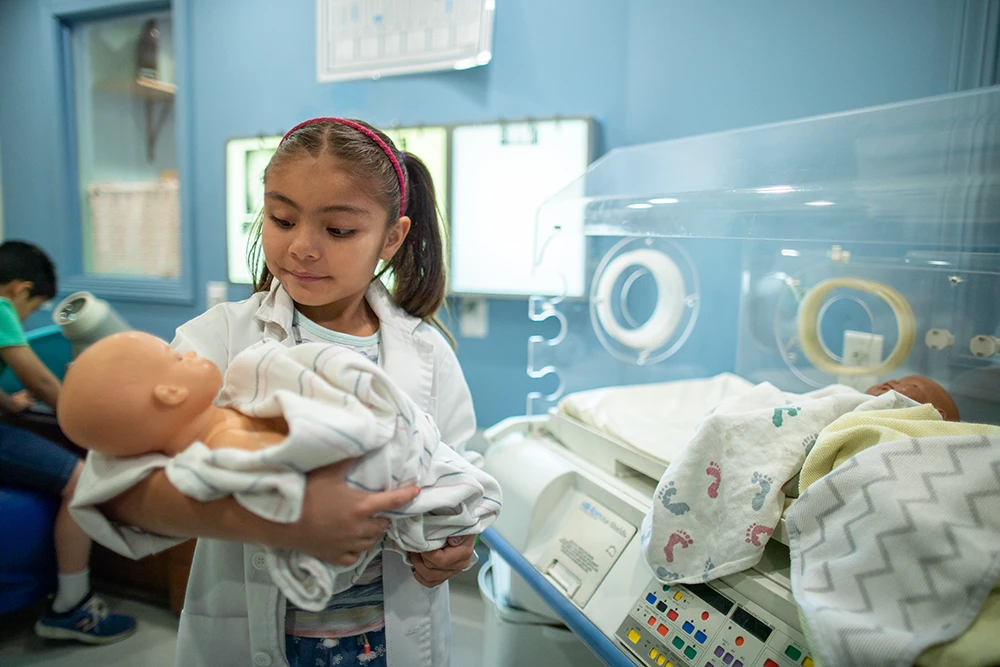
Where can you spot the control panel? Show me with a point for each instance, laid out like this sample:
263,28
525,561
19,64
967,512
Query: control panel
696,625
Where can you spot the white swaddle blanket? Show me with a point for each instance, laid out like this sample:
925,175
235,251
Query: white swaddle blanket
337,405
720,499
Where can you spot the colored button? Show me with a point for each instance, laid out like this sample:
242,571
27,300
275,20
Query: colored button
688,627
665,588
728,659
651,599
661,607
672,615
678,595
793,652
808,662
708,664
669,664
739,641
737,664
690,653
651,621
662,659
704,615
700,636
770,663
663,630
678,642
633,636
653,653
719,651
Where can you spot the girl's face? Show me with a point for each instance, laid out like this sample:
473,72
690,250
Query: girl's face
323,235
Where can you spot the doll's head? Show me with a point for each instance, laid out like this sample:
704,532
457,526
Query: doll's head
922,390
131,394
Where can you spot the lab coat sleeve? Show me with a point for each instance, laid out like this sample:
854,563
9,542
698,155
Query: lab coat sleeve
105,477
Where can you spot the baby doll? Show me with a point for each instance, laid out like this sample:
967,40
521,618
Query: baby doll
281,412
131,394
921,390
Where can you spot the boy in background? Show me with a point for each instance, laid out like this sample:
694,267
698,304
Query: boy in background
27,280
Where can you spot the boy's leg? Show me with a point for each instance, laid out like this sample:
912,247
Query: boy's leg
72,552
30,461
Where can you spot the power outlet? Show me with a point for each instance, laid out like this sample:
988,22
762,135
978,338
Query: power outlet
861,349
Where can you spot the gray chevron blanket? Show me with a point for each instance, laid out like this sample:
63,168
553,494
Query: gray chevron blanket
895,550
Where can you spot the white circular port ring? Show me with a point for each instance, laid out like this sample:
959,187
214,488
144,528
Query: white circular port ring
670,302
809,337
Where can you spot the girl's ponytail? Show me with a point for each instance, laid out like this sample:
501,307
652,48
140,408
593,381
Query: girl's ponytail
418,267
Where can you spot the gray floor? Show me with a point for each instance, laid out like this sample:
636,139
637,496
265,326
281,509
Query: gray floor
153,643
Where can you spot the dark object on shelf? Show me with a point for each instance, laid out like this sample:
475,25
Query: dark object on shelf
149,44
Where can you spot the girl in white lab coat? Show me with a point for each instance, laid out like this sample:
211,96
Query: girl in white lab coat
340,201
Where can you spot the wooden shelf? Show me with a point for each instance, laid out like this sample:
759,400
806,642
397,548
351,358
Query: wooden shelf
149,89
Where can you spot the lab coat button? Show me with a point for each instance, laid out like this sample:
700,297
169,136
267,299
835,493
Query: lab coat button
262,659
259,561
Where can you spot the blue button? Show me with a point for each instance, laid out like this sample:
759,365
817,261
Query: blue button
651,599
700,636
688,627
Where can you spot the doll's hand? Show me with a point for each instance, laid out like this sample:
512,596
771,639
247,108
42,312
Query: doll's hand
432,568
338,522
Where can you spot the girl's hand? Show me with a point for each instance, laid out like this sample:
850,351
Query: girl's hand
338,522
433,568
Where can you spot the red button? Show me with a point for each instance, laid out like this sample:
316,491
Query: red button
770,663
672,615
739,641
652,620
663,630
704,616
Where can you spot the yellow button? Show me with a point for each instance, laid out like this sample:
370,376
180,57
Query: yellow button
669,664
633,636
653,653
678,595
808,662
662,659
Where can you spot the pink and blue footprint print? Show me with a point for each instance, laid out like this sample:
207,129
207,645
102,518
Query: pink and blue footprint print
765,483
667,498
778,419
754,531
715,472
680,539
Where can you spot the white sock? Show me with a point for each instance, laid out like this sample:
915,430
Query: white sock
72,589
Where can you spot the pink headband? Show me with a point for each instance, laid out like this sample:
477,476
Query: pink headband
374,137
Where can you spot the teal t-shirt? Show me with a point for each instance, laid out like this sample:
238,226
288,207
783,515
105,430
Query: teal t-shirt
11,331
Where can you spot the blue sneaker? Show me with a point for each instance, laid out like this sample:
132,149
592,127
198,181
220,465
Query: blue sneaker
90,622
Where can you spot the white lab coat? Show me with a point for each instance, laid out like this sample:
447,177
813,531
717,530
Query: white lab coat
233,614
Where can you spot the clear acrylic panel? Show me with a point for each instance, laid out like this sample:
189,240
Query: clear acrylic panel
849,248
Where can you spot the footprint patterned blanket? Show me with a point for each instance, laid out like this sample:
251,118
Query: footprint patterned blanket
720,499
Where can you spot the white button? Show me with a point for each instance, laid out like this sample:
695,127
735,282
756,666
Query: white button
259,561
262,659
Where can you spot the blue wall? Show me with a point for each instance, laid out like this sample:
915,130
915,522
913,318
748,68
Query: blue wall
645,69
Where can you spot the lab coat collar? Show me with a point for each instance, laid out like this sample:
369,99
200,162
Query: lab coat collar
277,311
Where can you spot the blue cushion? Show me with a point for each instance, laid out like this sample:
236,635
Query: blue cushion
27,553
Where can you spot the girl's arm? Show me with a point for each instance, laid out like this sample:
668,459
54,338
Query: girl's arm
336,525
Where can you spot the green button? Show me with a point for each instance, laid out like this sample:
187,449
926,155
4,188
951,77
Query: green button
666,588
690,653
793,652
678,642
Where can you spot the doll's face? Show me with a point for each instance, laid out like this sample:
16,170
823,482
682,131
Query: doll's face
922,390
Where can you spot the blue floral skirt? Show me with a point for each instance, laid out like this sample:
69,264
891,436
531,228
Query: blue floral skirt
343,652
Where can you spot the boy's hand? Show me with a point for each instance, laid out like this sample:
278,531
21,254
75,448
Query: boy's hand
20,401
433,568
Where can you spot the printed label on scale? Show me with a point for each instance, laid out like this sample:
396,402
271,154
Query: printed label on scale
584,549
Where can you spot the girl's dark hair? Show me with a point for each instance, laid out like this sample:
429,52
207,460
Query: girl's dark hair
418,267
